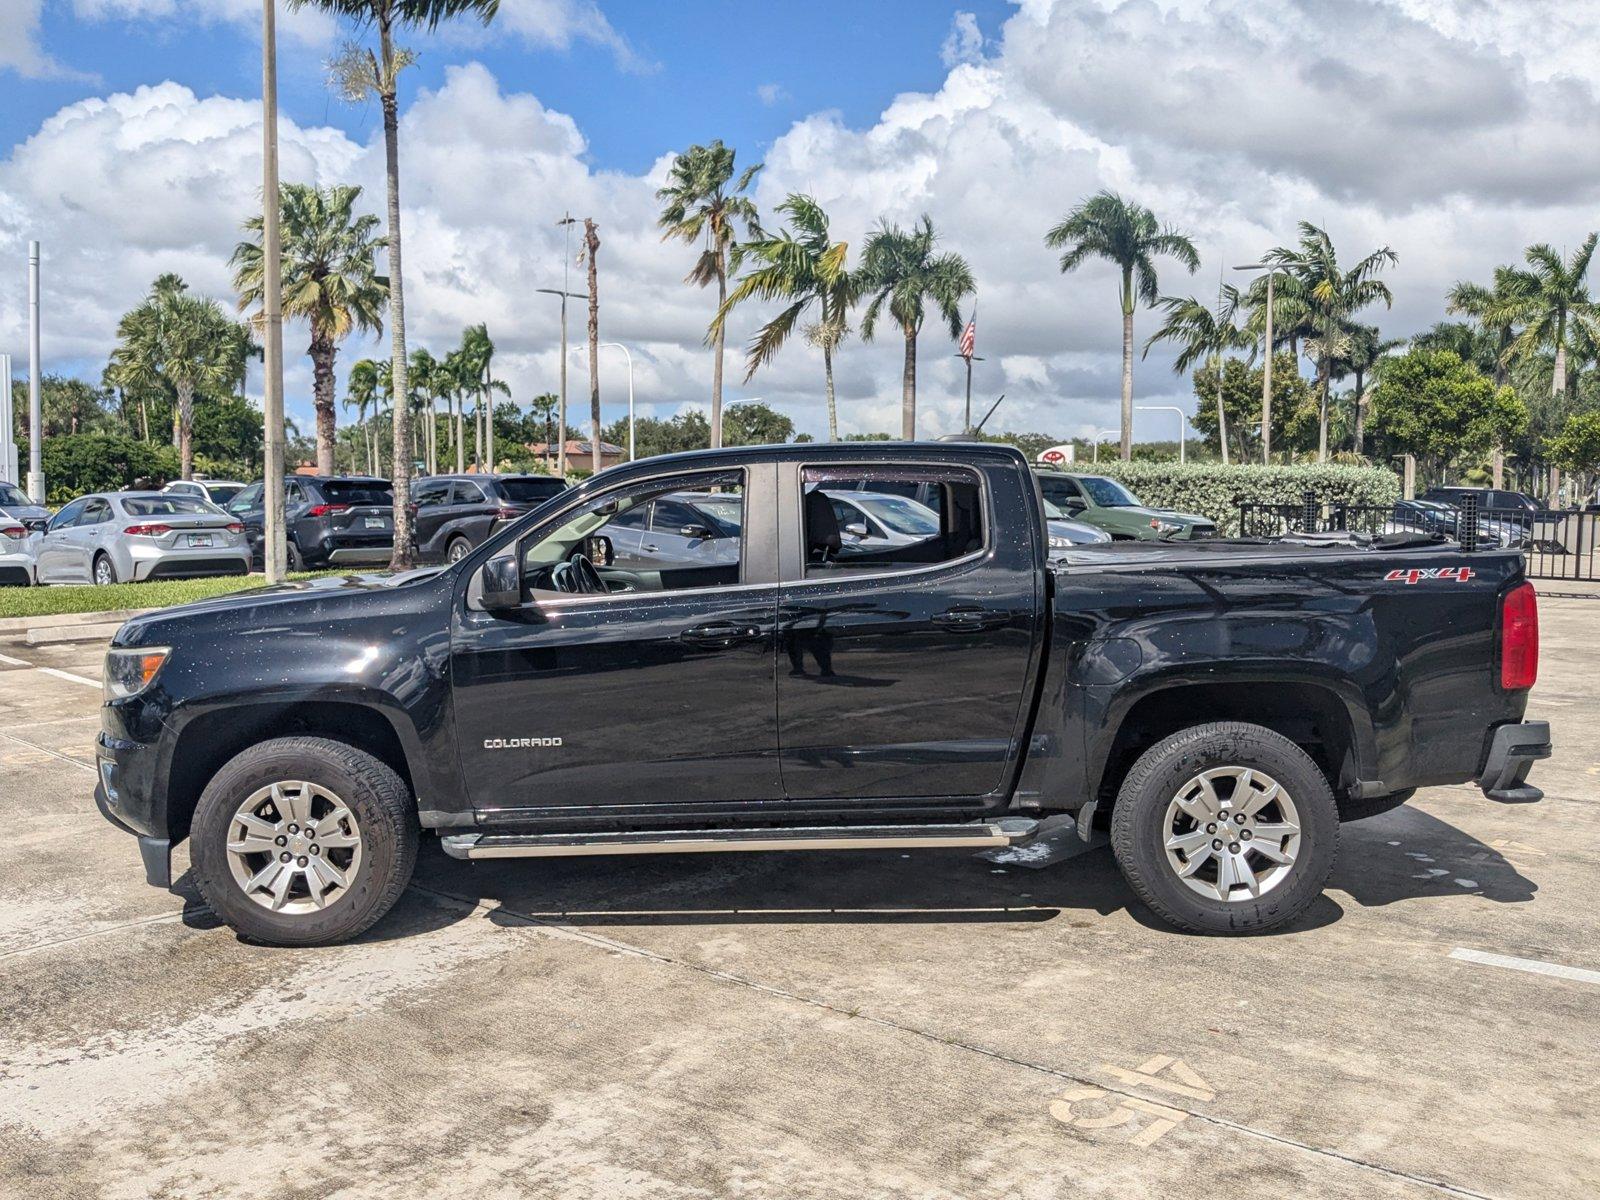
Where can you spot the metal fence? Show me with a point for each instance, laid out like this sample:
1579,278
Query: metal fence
1557,544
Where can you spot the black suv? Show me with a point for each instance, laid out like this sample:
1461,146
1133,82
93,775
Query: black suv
1502,504
453,514
332,520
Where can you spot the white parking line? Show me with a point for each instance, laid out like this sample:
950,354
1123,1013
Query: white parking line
1531,965
67,675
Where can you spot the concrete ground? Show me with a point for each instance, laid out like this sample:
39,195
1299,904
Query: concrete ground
841,1025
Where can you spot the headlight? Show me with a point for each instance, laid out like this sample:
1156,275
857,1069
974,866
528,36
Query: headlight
1163,527
129,672
1060,543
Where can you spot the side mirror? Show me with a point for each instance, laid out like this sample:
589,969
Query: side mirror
502,583
1076,504
694,532
856,529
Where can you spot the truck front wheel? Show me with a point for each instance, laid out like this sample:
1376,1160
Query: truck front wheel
303,841
1225,828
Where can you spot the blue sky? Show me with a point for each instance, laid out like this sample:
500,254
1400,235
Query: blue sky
701,67
1456,132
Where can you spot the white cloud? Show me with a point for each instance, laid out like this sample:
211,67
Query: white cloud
964,42
770,93
20,50
1468,146
555,25
308,25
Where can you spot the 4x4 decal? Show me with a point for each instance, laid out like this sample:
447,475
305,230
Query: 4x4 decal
1419,574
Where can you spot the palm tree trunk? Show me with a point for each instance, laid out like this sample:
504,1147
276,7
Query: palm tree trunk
400,476
716,356
185,431
1361,412
1558,381
144,418
591,241
1127,365
908,388
477,435
461,433
1222,416
322,386
1324,370
488,424
833,407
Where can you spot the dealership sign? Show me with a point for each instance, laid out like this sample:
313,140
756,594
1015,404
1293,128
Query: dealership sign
1058,456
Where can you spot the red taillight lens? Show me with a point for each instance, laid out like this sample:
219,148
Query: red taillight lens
1519,638
235,528
507,514
14,531
148,530
326,510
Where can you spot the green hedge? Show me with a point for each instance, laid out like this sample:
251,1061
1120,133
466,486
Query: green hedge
1215,491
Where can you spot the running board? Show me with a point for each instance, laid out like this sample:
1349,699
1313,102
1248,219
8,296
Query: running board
1005,831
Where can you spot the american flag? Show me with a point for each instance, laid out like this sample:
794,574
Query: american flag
969,338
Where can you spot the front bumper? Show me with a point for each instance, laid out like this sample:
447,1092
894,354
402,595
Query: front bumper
124,794
1513,749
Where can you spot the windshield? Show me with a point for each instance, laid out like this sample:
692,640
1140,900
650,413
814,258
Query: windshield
1108,493
165,506
11,496
221,493
357,491
899,514
726,510
530,491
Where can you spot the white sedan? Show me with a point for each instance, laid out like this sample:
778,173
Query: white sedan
17,560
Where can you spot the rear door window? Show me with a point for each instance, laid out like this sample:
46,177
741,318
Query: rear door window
432,491
467,492
923,534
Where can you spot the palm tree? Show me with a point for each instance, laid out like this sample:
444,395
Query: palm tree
1546,298
361,393
476,362
699,206
424,374
900,268
1366,348
458,375
1128,235
186,342
330,279
1331,297
1203,332
805,267
359,73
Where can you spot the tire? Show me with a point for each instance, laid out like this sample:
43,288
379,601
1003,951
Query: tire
104,571
294,560
1163,789
1354,809
379,815
458,549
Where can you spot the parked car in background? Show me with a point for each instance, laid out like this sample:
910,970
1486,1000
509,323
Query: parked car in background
1106,504
14,503
17,559
454,513
680,529
1066,533
878,520
129,537
1495,502
332,520
1437,517
214,491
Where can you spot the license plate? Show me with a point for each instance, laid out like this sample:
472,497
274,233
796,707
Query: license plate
199,539
373,522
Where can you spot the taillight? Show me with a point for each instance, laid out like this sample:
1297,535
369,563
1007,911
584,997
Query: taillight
1519,638
16,532
507,514
148,530
326,510
235,527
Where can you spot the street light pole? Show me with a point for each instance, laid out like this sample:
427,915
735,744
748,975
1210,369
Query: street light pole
967,428
561,430
273,548
1272,270
629,357
1183,424
35,401
1100,434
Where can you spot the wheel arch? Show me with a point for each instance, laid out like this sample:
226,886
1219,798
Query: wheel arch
1327,725
209,739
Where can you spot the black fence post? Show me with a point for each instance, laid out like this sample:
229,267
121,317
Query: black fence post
1308,516
1467,523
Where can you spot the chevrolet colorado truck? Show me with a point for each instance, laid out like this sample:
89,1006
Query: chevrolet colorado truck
1219,706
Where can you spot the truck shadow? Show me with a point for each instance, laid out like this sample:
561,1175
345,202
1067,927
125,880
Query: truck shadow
1405,855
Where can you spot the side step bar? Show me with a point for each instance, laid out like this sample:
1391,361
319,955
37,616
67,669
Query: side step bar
1004,831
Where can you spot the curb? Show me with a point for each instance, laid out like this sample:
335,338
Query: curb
30,625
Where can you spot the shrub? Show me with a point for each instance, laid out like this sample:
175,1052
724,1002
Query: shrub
1212,490
76,463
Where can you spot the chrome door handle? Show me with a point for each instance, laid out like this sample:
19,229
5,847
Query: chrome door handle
719,634
969,620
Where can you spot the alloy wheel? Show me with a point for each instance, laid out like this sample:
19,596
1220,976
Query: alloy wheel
1231,833
294,847
104,575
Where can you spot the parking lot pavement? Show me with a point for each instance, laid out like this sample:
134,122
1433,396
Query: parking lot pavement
868,1024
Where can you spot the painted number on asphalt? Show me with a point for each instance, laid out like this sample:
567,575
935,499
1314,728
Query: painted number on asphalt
1096,1109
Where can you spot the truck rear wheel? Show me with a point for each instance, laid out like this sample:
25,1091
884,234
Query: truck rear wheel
303,841
1225,828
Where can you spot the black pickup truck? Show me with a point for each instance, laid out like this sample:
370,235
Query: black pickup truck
1219,706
